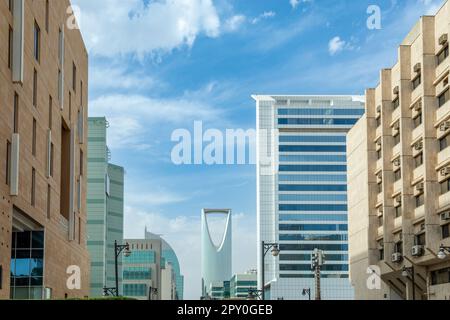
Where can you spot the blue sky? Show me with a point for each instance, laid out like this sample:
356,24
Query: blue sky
156,66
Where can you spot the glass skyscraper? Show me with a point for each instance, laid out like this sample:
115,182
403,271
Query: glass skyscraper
302,191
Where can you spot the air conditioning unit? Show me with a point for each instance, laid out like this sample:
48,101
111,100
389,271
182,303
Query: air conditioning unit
445,171
419,187
417,67
444,126
396,257
396,90
445,216
398,200
418,146
379,178
379,109
443,39
418,106
397,162
417,251
380,210
379,143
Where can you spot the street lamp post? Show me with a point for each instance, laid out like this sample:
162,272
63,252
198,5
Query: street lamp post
265,248
117,251
443,252
410,272
307,291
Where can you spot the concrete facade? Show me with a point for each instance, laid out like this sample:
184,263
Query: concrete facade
43,99
399,170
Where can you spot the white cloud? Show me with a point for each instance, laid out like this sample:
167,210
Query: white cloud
336,45
264,15
183,234
295,3
117,77
234,23
122,27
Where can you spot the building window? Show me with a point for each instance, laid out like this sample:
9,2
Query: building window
380,221
397,175
47,15
445,186
379,154
418,160
395,103
419,200
378,121
445,231
37,42
8,163
60,84
33,187
398,247
52,152
396,139
50,112
417,121
444,142
398,211
442,55
416,82
33,141
380,187
10,47
49,201
443,98
35,88
16,113
420,239
11,5
74,77
440,276
81,163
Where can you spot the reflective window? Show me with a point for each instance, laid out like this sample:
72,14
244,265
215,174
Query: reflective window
313,237
312,148
320,112
310,247
313,121
307,139
312,158
312,207
135,290
313,217
313,178
312,197
306,168
306,267
313,227
312,187
307,257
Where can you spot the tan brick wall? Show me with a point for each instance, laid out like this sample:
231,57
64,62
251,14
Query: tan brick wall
59,251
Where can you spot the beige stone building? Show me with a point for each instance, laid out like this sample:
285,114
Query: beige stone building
43,112
399,172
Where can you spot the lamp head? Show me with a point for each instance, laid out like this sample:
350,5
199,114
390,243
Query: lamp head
275,250
405,272
441,254
127,251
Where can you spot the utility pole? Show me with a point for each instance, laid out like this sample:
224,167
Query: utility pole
317,260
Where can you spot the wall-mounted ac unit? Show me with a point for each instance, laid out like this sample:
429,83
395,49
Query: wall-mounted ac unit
418,146
418,106
398,200
378,143
396,257
417,67
443,39
379,178
445,216
445,171
444,126
417,251
397,162
378,109
419,187
396,90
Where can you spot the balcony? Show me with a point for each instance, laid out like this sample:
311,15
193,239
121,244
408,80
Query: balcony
419,212
444,155
443,111
380,197
378,131
398,222
379,164
396,149
444,200
418,173
398,186
396,114
417,133
380,231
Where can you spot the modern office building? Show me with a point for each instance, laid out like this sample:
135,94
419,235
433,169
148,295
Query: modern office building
216,258
302,191
399,171
168,282
142,269
105,205
242,284
170,257
43,99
